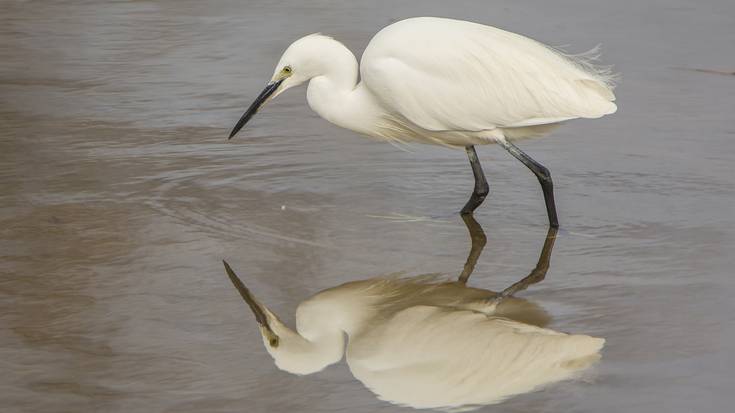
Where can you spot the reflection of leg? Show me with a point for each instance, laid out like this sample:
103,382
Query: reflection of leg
481,187
477,235
542,174
539,272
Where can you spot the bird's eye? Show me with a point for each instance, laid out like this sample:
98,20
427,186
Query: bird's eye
273,342
287,70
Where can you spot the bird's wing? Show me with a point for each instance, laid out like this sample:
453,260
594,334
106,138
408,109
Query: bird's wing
435,357
443,74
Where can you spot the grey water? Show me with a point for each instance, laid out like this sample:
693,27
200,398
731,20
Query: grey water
120,196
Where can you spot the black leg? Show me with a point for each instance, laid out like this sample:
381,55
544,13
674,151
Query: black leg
481,187
538,273
544,178
478,238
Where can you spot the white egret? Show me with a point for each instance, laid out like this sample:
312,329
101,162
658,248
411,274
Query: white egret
445,82
426,343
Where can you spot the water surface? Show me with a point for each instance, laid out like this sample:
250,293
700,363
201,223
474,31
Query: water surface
119,196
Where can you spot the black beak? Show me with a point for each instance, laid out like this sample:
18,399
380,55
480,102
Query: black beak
253,109
254,305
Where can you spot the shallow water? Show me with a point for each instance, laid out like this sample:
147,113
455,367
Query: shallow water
119,196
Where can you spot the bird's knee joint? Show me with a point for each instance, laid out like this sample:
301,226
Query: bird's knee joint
544,174
482,192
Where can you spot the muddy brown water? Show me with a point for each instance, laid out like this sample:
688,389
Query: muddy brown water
119,196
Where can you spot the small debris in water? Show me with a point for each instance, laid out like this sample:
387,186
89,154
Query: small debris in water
716,72
712,71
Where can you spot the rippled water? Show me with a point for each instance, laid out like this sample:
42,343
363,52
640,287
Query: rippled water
119,196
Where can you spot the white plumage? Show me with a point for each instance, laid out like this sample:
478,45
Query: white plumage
426,343
474,78
439,357
445,82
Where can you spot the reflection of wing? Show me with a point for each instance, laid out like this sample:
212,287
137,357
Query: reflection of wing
444,74
522,311
433,357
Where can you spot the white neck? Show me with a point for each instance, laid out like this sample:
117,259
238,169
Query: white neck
308,354
337,97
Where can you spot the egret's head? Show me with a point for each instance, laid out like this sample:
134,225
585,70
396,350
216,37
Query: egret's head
301,61
304,59
290,351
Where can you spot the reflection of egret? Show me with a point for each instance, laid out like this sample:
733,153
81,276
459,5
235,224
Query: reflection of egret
445,82
426,343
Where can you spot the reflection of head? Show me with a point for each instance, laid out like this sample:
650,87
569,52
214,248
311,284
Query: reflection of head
314,348
298,355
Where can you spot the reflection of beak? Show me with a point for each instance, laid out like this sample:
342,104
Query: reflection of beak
253,109
255,306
